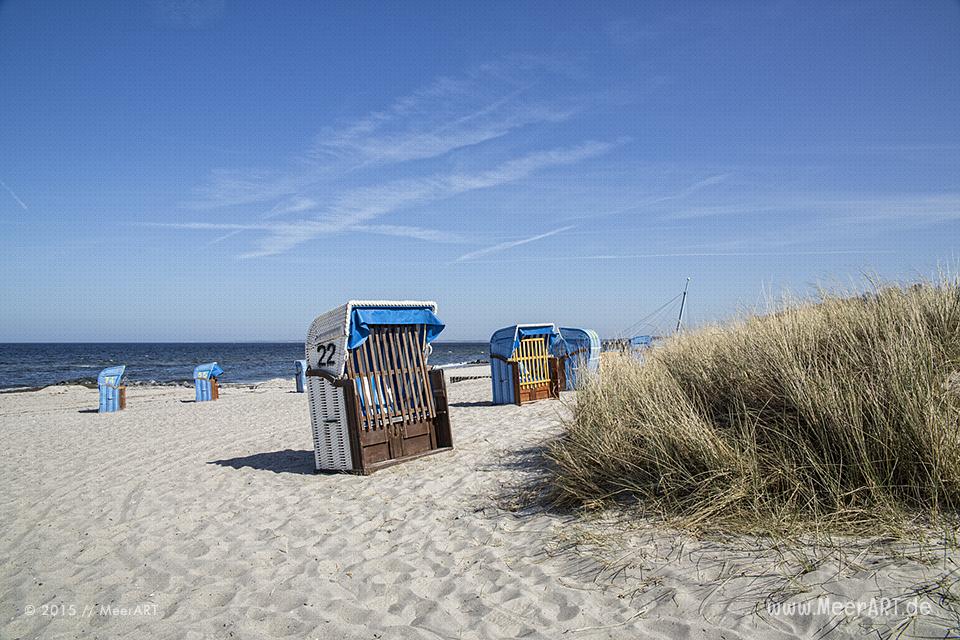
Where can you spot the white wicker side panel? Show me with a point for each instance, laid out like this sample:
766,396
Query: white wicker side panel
328,418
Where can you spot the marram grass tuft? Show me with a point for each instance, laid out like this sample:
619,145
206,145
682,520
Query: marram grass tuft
842,413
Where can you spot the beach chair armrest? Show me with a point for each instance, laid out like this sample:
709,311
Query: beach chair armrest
332,379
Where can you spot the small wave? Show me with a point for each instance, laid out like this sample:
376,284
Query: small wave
466,363
19,389
184,382
90,383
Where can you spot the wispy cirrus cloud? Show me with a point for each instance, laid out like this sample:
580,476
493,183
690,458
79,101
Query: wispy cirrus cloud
503,246
20,202
418,233
691,254
308,226
389,138
186,14
419,149
211,226
450,114
362,205
297,204
839,209
354,210
653,201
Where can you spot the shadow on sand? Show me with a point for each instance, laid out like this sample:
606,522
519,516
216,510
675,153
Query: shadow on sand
286,461
530,490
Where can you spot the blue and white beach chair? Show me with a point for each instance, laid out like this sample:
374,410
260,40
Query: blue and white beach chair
205,381
301,367
113,393
525,363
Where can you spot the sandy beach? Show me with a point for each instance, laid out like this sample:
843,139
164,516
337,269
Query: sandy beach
181,520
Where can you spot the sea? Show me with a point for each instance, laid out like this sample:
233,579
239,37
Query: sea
32,366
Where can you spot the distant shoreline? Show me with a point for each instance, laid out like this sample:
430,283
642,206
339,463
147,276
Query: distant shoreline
26,367
91,383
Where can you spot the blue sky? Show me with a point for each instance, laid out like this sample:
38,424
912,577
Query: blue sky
227,171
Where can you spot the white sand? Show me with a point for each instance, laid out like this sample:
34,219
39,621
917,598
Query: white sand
208,516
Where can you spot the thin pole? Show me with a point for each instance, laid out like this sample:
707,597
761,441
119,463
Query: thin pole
683,303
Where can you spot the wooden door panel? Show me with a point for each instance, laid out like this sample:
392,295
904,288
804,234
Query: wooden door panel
374,436
392,388
376,453
418,444
417,429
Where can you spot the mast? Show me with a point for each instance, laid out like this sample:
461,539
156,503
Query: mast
683,303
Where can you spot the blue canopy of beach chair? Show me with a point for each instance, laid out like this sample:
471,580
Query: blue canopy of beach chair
111,376
526,332
363,318
504,341
207,371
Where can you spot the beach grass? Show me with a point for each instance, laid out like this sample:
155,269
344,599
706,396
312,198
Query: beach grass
839,413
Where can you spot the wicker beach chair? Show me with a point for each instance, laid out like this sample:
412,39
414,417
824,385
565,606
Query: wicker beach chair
526,363
373,399
206,381
113,393
301,368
